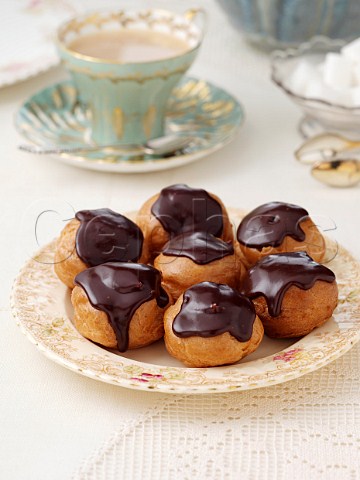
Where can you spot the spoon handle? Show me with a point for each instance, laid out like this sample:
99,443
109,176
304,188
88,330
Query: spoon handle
160,146
53,150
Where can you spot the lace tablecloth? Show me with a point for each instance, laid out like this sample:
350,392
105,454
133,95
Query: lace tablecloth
308,428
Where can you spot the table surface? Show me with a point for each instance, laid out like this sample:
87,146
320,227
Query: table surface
51,418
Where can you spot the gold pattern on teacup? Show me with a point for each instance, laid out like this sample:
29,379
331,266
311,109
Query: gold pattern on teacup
191,13
137,77
118,122
149,120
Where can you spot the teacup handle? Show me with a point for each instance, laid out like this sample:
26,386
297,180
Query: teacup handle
192,13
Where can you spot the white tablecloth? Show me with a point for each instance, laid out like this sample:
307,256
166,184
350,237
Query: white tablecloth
57,425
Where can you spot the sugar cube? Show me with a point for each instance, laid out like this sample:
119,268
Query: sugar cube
335,80
352,50
303,74
316,89
337,71
320,91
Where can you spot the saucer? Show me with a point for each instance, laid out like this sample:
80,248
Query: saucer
198,108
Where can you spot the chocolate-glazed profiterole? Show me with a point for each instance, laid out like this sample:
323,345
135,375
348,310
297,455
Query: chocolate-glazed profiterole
129,296
94,237
277,227
292,293
179,209
106,236
211,324
209,310
192,258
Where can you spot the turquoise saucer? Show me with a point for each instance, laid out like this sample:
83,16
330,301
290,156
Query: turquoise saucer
54,117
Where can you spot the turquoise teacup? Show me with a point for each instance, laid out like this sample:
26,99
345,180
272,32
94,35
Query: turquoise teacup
127,101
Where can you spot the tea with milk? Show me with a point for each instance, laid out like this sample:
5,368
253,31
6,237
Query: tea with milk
129,45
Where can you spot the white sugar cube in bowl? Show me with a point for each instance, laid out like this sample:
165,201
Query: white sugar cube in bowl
323,78
352,50
337,71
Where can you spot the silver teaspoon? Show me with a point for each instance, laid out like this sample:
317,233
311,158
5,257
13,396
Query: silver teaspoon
337,173
158,146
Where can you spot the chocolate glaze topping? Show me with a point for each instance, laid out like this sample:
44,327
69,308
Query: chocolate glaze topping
200,247
273,275
270,223
119,289
210,309
180,209
106,236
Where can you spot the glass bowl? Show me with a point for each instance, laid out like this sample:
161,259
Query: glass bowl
280,24
320,115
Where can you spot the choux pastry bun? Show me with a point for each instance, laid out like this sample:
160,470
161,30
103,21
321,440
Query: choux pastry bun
278,227
192,258
210,325
120,305
292,294
94,237
179,209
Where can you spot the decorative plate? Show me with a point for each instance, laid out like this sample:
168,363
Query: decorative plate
27,36
42,308
53,117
